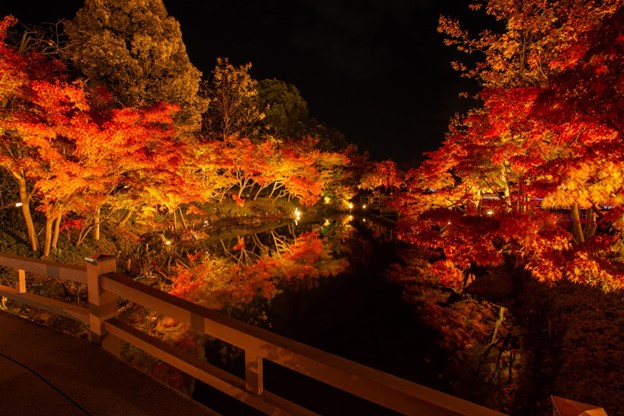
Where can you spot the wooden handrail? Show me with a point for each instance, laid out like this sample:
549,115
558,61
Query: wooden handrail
105,286
45,268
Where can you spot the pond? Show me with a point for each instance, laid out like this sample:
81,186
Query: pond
358,315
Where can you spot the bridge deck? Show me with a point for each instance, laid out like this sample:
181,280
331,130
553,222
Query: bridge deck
45,372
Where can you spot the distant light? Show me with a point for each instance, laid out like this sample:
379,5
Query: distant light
297,214
489,212
364,206
168,242
18,204
350,205
327,223
327,200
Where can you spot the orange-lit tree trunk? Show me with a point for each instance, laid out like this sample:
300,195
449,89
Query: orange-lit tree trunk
577,229
52,231
589,230
57,230
48,236
125,218
24,196
96,225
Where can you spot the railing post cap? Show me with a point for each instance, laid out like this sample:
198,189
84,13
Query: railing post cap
99,258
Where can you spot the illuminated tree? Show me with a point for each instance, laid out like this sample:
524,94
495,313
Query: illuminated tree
304,172
536,35
24,75
381,174
535,144
135,50
233,109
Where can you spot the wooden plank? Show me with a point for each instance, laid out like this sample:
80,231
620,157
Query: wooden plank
254,372
373,385
21,281
46,268
201,370
66,309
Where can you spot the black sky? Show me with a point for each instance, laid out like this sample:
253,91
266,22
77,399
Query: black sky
375,69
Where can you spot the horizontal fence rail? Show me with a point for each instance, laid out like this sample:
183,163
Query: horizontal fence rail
105,287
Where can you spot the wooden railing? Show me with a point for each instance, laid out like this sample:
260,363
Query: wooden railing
105,286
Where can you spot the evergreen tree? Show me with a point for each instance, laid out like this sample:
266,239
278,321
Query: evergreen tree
135,50
286,110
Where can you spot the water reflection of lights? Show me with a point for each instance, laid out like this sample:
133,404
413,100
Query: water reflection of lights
297,214
379,230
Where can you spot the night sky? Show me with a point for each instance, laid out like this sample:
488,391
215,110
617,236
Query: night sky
375,69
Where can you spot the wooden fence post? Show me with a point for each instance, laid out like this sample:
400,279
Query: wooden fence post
21,281
254,378
102,304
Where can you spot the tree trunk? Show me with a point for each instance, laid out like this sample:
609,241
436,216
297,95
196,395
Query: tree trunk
48,236
182,220
589,230
577,229
57,230
96,225
25,201
125,218
497,324
260,190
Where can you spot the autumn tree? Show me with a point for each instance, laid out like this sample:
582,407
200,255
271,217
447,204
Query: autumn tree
381,174
71,156
530,38
23,75
135,50
538,141
246,162
528,183
233,106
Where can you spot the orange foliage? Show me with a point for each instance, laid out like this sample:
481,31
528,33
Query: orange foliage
507,178
216,283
